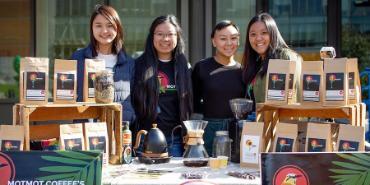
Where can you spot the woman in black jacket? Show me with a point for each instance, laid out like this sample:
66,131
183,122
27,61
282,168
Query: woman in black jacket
162,91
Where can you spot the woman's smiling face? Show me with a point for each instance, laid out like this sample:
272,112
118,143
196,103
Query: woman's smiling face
104,31
259,38
165,40
226,41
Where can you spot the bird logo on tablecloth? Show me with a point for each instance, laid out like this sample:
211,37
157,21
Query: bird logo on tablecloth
7,169
291,179
290,175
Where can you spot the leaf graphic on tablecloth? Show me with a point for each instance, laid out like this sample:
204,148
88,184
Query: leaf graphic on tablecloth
75,166
353,170
77,155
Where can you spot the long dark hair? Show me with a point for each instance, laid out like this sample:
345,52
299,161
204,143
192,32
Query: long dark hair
112,16
146,86
250,65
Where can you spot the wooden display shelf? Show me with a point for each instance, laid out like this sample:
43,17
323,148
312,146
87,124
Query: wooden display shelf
271,114
110,113
354,113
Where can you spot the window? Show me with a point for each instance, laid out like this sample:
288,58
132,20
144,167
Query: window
238,11
356,31
63,27
15,39
302,23
137,16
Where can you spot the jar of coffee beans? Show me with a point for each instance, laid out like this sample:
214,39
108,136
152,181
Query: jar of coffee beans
104,87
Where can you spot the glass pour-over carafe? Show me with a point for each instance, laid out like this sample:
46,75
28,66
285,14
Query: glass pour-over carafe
195,154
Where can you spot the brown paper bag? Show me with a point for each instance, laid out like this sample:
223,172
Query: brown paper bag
91,67
350,138
336,82
279,89
334,135
96,137
251,144
11,137
285,137
354,84
318,137
302,135
71,137
65,81
311,80
34,80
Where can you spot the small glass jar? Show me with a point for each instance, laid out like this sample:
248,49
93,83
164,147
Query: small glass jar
222,144
104,87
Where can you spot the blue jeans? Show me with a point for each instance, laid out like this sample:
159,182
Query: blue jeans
210,131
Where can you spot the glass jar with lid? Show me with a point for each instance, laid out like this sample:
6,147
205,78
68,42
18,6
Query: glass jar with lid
222,144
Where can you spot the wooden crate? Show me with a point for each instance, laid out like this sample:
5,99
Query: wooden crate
271,114
109,113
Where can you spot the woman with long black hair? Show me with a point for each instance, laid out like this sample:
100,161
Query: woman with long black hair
264,42
162,91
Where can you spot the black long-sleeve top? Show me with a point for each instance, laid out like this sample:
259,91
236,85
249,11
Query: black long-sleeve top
214,85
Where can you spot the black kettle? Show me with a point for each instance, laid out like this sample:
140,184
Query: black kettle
155,144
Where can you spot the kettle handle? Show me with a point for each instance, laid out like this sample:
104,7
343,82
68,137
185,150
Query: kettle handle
138,138
172,133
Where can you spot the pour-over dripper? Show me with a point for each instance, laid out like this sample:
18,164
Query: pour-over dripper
195,124
241,107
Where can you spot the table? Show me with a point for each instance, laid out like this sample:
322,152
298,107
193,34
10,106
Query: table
110,113
127,174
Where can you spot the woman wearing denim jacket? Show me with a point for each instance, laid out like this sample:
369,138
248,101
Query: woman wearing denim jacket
106,42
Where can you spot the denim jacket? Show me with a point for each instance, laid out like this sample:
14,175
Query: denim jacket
123,76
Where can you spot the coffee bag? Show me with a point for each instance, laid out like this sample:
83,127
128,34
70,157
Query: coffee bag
96,137
34,80
318,137
354,84
302,135
285,137
65,76
280,86
335,82
11,137
312,83
251,144
71,137
350,138
91,67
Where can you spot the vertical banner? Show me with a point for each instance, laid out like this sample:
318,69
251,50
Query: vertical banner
50,167
315,168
